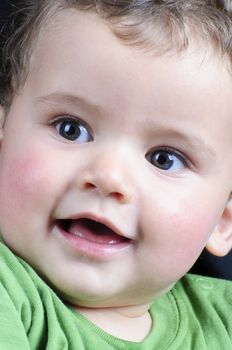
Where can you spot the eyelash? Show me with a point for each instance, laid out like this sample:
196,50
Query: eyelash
171,151
75,120
172,155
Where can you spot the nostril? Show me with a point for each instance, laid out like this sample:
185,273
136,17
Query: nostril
118,196
89,186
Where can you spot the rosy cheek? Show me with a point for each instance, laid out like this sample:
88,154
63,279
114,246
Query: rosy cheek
178,233
192,230
25,179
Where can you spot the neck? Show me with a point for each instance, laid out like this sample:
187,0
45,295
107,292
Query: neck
131,323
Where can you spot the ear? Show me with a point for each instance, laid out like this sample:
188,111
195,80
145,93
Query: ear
220,241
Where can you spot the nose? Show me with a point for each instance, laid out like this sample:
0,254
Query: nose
107,173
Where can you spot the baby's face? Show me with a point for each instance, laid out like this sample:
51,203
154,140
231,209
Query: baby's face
115,164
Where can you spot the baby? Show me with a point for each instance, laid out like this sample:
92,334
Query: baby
115,173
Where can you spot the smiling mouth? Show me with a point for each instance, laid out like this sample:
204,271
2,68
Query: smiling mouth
92,231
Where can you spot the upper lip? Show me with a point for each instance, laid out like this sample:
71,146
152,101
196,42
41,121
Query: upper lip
100,220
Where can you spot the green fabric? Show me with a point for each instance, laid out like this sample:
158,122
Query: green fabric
195,315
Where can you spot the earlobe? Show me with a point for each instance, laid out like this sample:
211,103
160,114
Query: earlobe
220,241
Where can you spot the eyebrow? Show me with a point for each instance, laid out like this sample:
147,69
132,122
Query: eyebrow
190,139
56,98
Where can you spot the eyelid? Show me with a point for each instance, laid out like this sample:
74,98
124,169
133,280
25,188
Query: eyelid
181,156
67,117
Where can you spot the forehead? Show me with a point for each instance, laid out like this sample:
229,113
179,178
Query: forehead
78,53
72,27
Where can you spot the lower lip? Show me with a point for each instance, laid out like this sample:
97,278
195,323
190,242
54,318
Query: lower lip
91,249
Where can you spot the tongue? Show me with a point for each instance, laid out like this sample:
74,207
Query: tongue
94,232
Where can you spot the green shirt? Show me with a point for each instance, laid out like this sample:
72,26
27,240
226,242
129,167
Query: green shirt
195,315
